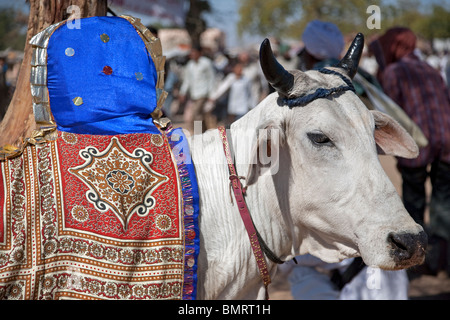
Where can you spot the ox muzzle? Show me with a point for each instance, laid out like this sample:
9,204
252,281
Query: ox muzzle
408,248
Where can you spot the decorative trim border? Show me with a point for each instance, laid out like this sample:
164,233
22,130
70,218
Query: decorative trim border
191,209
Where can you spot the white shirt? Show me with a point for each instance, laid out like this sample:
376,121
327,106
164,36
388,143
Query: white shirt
258,83
198,78
240,94
308,283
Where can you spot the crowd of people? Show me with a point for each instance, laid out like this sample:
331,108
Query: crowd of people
210,86
5,87
212,89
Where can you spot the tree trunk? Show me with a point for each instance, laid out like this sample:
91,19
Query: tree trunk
194,23
18,122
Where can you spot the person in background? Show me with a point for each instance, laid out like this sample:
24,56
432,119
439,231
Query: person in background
323,45
4,88
446,67
239,88
198,83
253,72
421,91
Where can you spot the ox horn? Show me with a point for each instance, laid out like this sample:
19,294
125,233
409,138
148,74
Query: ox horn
351,59
278,77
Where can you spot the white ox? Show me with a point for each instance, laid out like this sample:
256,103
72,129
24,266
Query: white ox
324,191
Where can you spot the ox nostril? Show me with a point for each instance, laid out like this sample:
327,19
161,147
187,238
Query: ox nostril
399,244
407,246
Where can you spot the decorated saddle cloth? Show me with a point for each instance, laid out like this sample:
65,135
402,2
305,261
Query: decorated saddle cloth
101,202
99,217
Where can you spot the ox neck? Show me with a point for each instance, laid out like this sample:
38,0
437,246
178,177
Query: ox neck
222,232
272,221
234,180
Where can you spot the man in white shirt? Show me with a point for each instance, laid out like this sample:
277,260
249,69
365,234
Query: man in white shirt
239,89
198,82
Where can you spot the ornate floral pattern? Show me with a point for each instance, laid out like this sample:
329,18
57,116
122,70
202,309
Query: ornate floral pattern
84,233
119,181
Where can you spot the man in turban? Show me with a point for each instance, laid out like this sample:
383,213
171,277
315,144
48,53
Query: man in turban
323,44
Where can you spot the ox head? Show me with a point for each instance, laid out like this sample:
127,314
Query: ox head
340,201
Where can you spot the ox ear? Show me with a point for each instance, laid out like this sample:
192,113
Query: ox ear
265,153
392,138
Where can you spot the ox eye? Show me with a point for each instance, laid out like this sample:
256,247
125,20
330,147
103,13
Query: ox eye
319,139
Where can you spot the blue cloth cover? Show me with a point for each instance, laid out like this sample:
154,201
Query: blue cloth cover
114,76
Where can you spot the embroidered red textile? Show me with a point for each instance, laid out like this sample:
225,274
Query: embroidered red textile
92,217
